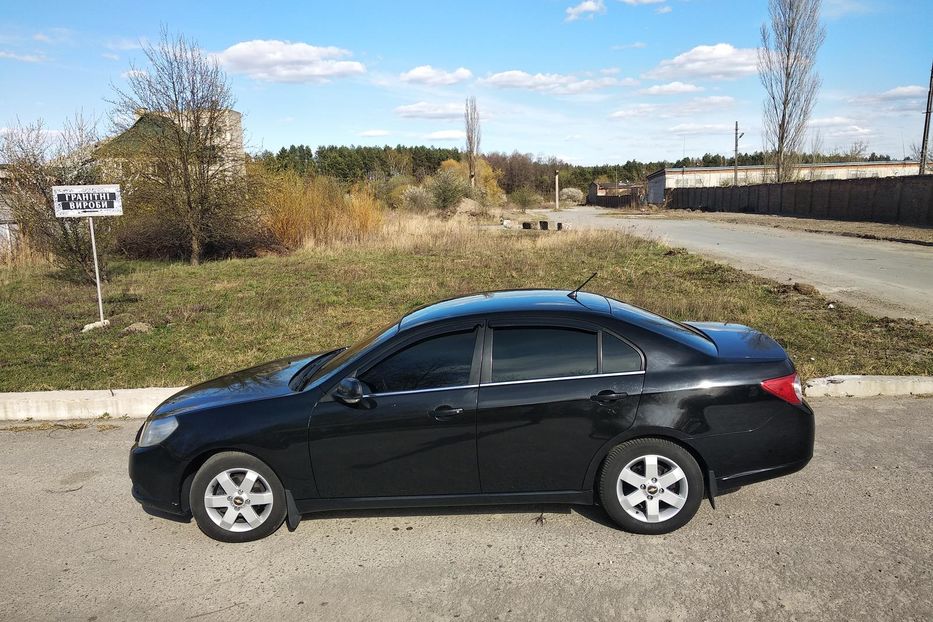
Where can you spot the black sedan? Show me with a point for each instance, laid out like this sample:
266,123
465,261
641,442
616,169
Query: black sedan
534,396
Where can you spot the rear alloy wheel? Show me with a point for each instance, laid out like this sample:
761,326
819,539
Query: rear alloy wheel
650,486
237,498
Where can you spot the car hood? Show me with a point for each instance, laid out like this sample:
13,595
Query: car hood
738,342
260,382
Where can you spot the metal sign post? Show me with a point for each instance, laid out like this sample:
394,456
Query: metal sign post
89,201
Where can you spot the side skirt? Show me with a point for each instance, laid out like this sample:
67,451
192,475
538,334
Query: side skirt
573,497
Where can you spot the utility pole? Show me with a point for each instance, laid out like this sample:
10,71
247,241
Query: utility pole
926,127
556,189
735,180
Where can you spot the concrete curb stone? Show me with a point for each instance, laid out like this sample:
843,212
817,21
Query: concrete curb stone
868,386
138,403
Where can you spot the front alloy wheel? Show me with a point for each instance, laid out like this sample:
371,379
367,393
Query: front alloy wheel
650,486
235,497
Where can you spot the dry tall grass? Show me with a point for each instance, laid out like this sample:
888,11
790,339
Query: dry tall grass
300,211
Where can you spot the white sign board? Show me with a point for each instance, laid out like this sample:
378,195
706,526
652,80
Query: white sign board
82,201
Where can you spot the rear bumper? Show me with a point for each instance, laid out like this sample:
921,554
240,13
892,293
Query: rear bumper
782,446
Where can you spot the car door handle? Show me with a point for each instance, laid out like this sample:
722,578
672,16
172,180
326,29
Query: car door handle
608,396
442,413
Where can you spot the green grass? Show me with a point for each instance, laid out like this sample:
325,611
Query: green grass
227,315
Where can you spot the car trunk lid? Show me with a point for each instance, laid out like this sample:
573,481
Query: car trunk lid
736,342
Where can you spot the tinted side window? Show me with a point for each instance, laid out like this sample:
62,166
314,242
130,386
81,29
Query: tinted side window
618,356
436,362
531,353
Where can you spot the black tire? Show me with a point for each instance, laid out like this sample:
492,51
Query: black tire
634,519
236,463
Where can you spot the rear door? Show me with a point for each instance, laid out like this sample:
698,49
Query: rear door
551,395
414,432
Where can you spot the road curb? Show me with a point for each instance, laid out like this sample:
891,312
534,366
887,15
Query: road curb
138,403
63,405
868,386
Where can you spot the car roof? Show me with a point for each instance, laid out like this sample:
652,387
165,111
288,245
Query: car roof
508,301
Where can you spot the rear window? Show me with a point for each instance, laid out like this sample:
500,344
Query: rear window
534,353
687,335
618,356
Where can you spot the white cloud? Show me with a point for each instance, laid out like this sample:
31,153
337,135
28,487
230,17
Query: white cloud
133,73
553,83
721,61
425,110
110,56
127,43
904,92
834,9
41,36
426,74
695,106
23,58
636,110
671,88
446,135
636,45
700,128
587,8
662,10
271,60
373,133
822,122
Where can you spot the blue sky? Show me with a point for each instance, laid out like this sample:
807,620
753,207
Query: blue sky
591,82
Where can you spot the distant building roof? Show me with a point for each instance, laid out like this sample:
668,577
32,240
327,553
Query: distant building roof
756,167
136,136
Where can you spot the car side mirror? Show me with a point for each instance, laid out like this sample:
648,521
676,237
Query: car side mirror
349,391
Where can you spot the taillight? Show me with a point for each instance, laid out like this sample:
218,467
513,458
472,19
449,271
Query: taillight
786,387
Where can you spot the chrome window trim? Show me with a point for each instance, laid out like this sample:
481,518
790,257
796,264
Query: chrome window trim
583,377
505,382
431,390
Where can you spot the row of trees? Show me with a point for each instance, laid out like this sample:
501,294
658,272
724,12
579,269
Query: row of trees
358,163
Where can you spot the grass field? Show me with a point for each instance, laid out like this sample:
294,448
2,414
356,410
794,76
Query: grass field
227,315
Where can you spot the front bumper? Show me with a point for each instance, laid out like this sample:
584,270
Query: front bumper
157,479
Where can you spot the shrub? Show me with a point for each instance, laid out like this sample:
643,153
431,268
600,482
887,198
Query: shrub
525,197
447,188
572,196
299,211
36,161
417,199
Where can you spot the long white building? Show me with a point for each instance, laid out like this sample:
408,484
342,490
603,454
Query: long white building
713,176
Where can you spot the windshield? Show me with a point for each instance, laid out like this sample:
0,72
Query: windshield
350,353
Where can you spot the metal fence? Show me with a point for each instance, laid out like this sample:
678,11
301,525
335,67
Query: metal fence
904,200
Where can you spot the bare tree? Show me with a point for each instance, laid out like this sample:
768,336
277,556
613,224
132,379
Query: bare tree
473,136
915,151
787,68
38,159
189,156
857,151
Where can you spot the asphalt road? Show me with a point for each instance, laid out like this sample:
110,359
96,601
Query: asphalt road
850,537
883,278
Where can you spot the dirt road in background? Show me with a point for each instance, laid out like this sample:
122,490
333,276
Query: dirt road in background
882,278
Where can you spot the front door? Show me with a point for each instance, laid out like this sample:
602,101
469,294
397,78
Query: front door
415,431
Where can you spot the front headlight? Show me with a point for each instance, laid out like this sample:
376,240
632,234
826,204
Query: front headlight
157,430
